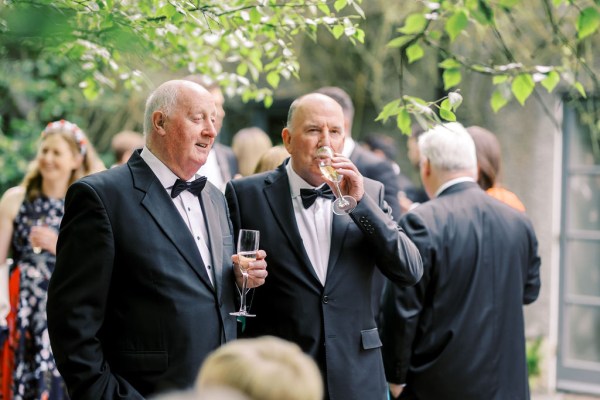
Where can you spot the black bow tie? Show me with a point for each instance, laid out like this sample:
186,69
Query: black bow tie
310,195
194,186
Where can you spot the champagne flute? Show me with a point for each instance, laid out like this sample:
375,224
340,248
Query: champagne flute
37,222
343,204
247,248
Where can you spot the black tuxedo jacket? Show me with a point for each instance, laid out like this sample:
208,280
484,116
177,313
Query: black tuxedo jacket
459,333
131,310
335,323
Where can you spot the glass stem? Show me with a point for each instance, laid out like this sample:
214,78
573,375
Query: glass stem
340,196
243,294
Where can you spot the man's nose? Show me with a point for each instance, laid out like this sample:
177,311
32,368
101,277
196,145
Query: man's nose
210,129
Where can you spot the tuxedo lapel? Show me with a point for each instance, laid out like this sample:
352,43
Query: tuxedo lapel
158,204
339,229
209,209
277,193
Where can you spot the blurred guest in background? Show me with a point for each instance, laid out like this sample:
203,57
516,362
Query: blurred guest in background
385,147
123,144
248,145
265,368
418,195
30,215
221,165
271,159
489,166
459,333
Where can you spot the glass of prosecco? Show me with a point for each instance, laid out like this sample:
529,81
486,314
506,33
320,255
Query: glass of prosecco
247,247
343,204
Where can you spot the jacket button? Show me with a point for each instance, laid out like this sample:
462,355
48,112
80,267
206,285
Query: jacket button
325,299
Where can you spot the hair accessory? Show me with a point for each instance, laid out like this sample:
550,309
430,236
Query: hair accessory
66,126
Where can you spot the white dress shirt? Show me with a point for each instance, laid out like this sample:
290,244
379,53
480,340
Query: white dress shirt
452,182
314,224
187,205
212,170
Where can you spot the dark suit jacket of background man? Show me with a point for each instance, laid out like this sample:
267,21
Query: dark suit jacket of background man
373,167
462,335
137,313
334,322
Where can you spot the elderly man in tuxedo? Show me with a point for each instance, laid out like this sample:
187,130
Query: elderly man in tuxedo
459,333
318,294
144,281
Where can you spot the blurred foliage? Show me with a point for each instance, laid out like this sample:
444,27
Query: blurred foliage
521,45
534,358
92,62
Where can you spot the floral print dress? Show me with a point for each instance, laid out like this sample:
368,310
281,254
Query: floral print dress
35,374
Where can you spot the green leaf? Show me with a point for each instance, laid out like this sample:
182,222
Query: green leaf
414,53
400,41
324,8
580,89
403,121
447,115
550,81
415,23
242,69
498,79
522,87
445,105
508,3
168,10
273,79
360,35
449,63
359,10
456,24
391,108
339,4
497,101
268,101
451,77
338,31
587,22
255,16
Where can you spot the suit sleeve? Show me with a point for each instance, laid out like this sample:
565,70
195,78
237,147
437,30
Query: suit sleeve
532,273
77,297
402,306
395,254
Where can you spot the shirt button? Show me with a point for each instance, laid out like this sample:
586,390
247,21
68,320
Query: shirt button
189,209
197,237
209,267
325,299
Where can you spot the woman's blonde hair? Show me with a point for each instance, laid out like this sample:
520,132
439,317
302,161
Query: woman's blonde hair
264,368
78,144
248,145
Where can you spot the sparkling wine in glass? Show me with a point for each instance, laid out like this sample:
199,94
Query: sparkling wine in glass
37,222
343,204
247,248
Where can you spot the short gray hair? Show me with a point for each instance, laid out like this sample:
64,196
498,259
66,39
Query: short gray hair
449,147
164,98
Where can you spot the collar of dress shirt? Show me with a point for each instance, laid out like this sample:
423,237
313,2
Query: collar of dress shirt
166,177
349,145
296,182
453,182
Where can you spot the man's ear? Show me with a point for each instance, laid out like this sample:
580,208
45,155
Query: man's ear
158,122
286,136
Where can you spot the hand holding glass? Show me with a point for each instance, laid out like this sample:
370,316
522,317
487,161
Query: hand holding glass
247,249
343,204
